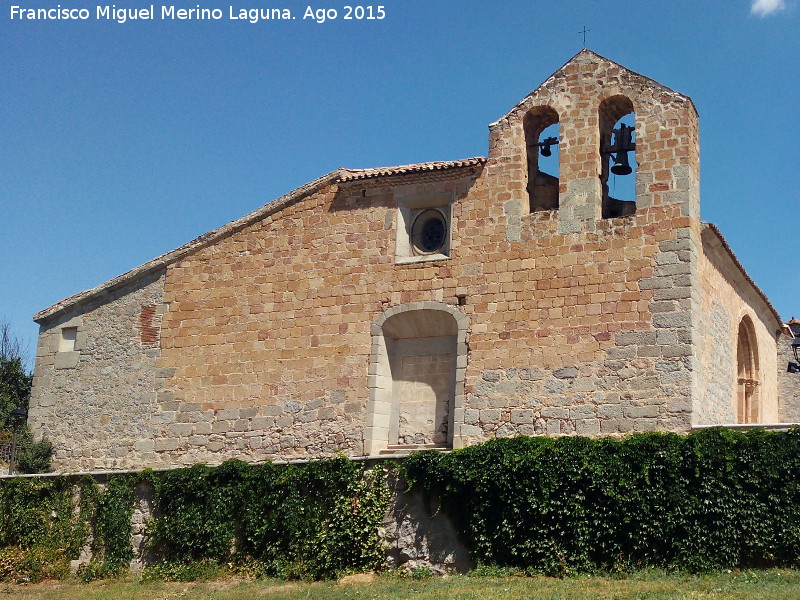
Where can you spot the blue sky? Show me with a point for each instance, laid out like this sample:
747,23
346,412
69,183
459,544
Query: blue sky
119,142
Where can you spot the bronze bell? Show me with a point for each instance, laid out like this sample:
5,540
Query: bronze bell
621,165
545,145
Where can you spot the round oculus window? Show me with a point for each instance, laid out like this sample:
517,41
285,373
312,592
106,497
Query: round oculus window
429,231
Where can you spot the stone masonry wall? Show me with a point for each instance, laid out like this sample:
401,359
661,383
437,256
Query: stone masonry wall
604,334
727,298
788,384
96,402
577,324
720,367
267,324
267,340
419,535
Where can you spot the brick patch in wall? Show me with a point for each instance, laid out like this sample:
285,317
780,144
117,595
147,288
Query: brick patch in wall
149,326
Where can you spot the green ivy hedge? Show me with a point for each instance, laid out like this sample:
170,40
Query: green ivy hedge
44,523
715,499
314,520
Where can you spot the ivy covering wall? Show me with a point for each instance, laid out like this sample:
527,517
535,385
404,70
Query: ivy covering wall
716,499
315,520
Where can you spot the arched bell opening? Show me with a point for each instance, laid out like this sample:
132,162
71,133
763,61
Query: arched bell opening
543,169
618,157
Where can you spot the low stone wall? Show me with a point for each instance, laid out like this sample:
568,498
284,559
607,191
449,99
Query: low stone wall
418,535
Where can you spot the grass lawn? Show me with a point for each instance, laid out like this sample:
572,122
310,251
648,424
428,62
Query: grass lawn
750,585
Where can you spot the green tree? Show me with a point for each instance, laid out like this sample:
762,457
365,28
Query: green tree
15,383
33,457
15,392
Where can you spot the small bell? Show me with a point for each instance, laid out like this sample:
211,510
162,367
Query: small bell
545,145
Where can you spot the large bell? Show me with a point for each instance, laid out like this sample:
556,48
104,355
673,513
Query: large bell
621,165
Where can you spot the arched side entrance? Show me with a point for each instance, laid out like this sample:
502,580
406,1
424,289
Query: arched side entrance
416,377
748,405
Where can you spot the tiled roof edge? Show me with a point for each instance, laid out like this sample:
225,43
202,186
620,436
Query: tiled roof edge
340,175
197,243
355,174
741,268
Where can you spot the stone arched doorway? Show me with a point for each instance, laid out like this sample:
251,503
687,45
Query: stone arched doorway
748,406
416,381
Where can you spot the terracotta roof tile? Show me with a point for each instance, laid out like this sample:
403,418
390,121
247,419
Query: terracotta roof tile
728,249
354,174
340,175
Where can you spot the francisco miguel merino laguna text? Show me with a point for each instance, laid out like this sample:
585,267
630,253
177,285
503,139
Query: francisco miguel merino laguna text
112,12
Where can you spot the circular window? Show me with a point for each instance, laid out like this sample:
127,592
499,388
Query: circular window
429,231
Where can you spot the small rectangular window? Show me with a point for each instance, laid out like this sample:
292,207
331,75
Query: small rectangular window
68,337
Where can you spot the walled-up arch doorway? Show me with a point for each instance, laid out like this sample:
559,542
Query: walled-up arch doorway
748,405
416,377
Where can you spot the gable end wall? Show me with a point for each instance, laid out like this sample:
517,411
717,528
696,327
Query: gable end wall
97,403
576,324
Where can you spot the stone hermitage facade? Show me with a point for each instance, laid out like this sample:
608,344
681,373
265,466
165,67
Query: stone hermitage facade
431,305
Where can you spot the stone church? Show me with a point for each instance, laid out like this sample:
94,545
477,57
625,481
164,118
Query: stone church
432,305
